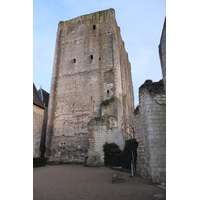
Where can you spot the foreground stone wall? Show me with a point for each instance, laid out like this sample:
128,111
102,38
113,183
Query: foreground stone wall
91,79
150,131
38,116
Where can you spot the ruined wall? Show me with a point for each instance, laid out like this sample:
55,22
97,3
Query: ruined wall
150,131
38,116
101,130
87,71
162,53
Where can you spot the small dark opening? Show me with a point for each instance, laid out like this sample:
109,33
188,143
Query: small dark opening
94,27
74,60
107,91
91,56
99,58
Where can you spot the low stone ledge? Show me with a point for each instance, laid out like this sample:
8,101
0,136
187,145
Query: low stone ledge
62,163
54,162
118,180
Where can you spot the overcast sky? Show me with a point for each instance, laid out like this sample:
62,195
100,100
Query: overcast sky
140,21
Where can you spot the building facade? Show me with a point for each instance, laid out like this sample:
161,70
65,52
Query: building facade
38,117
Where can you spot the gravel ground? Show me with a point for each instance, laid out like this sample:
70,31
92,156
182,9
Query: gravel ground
74,182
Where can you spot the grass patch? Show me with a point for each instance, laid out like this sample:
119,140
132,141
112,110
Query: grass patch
107,102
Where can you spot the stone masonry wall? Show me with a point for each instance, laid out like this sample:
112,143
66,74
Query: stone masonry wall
150,131
90,68
142,157
101,130
38,115
127,89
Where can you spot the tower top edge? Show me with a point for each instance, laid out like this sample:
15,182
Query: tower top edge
102,12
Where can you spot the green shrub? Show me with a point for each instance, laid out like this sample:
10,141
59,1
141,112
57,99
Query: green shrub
112,154
126,155
108,101
39,161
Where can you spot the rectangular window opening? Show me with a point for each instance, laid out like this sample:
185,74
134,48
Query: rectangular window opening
74,60
91,56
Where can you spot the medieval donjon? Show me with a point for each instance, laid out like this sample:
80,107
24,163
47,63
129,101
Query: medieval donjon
91,97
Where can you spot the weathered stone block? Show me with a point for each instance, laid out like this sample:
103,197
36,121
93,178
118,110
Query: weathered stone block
94,159
118,180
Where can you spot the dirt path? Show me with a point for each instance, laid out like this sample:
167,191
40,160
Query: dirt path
74,182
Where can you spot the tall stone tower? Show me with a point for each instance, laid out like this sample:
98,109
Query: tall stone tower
162,53
91,97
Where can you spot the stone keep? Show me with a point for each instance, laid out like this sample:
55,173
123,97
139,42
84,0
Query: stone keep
91,95
162,53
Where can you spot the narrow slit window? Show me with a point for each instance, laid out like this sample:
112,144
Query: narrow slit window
107,91
94,27
91,57
74,60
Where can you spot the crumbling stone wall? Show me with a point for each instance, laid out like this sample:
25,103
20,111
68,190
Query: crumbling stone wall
38,116
150,131
91,68
101,130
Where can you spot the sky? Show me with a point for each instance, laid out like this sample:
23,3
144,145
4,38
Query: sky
140,21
